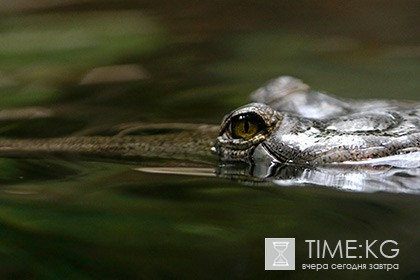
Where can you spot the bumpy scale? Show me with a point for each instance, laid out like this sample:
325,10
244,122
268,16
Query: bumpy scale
292,123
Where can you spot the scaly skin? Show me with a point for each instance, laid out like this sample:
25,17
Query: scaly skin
309,127
195,144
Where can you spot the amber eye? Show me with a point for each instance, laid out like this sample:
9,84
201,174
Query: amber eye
246,126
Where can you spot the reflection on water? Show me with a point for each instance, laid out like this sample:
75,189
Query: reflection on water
359,178
394,174
94,214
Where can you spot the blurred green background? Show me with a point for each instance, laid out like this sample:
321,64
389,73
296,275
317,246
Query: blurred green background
70,67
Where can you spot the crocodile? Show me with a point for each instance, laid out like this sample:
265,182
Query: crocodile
286,123
289,135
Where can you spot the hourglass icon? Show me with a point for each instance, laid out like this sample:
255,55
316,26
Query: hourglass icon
280,247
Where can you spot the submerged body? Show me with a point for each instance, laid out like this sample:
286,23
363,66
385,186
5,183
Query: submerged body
290,123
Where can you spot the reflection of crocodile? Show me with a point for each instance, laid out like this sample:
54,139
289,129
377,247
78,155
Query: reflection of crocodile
368,177
291,123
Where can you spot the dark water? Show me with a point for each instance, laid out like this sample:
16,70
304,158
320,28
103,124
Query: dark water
66,218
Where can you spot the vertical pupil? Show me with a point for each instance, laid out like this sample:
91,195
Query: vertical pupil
246,126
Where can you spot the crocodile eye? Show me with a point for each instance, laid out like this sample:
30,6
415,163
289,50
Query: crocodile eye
246,126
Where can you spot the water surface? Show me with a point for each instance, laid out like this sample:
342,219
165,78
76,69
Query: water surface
88,67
